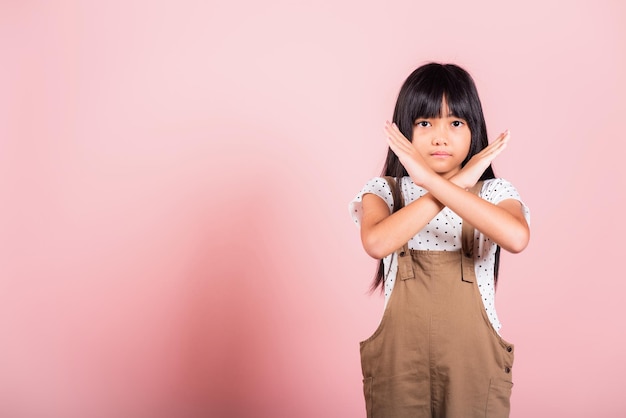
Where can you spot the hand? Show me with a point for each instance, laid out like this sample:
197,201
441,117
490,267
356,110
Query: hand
476,166
412,161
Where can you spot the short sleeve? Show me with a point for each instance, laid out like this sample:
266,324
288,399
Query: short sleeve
498,190
377,186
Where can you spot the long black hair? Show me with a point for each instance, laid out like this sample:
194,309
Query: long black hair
421,96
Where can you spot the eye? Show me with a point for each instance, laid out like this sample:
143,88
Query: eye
458,123
422,123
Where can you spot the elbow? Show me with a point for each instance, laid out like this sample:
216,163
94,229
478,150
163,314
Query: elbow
375,253
519,242
373,247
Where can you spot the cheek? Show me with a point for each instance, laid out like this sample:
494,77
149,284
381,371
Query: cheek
464,146
415,136
420,144
467,141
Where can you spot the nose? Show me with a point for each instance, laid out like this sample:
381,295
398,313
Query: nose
439,139
440,134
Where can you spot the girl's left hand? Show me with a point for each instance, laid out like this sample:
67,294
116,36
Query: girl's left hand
476,166
407,154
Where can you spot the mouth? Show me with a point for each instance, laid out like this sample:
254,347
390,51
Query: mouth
440,154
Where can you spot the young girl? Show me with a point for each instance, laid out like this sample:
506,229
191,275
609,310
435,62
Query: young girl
437,222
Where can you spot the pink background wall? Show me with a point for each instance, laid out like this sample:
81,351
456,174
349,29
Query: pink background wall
174,181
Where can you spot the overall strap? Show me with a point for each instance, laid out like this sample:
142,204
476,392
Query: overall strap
396,192
467,240
467,233
405,266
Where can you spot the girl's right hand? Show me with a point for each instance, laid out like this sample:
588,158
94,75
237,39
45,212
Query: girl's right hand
476,166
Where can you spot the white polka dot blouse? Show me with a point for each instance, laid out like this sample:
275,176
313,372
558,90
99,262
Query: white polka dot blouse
443,233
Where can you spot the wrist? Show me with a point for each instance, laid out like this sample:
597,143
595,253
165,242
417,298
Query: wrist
462,181
431,181
423,178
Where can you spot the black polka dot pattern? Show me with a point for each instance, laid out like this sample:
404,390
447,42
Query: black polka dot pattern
443,233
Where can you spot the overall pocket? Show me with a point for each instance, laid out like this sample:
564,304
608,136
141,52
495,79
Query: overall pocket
499,399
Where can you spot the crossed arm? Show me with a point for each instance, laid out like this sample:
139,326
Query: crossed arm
504,223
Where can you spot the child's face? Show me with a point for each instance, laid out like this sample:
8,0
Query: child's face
443,142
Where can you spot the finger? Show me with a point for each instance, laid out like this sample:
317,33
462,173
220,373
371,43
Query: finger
495,151
399,148
398,141
504,136
392,130
502,139
492,151
397,137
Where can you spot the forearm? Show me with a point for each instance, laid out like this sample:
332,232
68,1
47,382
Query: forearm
382,237
504,224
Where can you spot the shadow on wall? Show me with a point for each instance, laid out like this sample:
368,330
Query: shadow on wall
229,344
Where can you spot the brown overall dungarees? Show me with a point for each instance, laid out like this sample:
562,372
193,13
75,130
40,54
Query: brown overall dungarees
435,353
